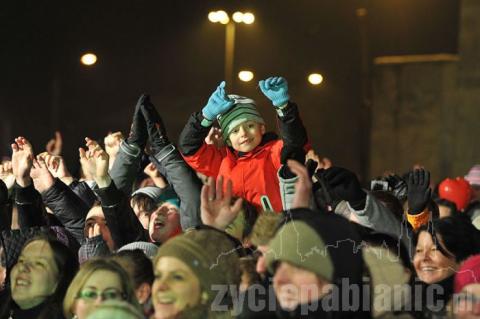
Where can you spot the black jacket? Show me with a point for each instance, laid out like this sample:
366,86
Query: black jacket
67,207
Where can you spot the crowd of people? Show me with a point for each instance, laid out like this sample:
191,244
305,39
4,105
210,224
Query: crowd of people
232,221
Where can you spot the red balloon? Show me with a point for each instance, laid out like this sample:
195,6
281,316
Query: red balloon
456,190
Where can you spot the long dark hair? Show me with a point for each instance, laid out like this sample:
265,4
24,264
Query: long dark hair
67,264
457,234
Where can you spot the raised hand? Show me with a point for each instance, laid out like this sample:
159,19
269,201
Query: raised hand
418,190
57,167
303,186
345,186
99,162
215,137
112,143
54,146
276,90
41,176
22,156
152,172
216,206
6,174
218,103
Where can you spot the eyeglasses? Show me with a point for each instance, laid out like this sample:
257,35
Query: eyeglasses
109,294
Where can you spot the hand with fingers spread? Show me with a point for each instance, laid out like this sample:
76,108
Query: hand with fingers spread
100,159
303,186
418,190
54,146
275,88
41,176
6,174
218,103
22,161
216,206
57,167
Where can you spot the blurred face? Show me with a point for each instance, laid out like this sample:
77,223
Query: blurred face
466,304
444,211
143,215
246,136
35,275
96,225
164,223
430,263
102,285
175,288
261,266
294,286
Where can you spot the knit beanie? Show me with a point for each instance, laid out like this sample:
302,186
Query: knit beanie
159,195
210,255
242,111
149,249
299,244
469,273
473,176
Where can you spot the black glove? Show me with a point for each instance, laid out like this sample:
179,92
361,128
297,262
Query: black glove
345,185
324,197
287,153
157,133
138,131
419,192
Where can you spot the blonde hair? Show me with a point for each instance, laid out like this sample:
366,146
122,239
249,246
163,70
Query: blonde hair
86,270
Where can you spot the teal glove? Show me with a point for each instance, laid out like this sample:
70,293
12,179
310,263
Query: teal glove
276,89
218,103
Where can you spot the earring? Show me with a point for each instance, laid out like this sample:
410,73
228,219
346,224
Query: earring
204,298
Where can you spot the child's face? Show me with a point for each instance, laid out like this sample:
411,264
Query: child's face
246,136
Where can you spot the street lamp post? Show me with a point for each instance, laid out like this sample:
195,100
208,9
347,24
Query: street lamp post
223,18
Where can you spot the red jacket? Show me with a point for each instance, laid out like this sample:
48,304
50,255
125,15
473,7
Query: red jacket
253,174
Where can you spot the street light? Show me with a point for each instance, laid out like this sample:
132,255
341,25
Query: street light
245,76
88,59
222,17
315,78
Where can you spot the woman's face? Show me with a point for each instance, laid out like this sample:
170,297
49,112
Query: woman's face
35,275
430,263
102,285
175,288
295,286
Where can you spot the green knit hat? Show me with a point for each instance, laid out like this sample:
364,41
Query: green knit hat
242,111
209,254
300,245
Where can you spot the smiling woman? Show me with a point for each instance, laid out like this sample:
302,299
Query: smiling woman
441,247
98,280
187,269
39,279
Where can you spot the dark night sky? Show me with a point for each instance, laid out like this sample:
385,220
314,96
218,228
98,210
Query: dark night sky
169,49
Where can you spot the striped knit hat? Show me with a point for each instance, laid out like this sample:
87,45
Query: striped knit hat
473,176
242,111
